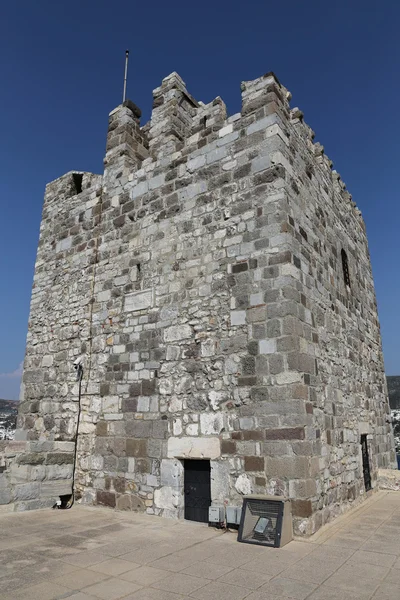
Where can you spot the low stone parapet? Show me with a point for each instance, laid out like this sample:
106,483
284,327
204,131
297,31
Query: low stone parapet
34,474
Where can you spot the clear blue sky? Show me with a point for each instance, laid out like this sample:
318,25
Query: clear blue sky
61,73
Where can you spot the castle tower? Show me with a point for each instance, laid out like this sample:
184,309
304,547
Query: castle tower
216,282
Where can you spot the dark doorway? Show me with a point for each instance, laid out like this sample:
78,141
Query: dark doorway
365,461
197,487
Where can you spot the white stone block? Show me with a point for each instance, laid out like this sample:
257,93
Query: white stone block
225,130
216,398
194,447
139,189
168,498
256,299
110,404
152,480
215,155
220,482
138,301
260,164
47,361
196,163
177,332
177,427
238,317
171,471
208,347
103,296
243,485
143,404
211,423
156,182
64,245
192,429
263,123
267,346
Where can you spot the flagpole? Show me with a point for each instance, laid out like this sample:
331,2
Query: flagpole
126,75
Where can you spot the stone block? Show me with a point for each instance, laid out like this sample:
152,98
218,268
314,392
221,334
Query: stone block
139,189
138,429
243,484
288,467
254,463
101,428
267,346
177,332
194,447
260,163
55,488
110,405
171,471
285,433
228,447
238,317
137,448
168,498
106,498
211,424
216,155
5,497
64,446
26,491
263,123
160,429
138,301
220,481
16,446
301,508
59,458
31,459
129,405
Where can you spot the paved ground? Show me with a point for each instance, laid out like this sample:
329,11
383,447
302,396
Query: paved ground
92,553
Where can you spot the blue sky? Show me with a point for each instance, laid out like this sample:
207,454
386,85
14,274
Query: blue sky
61,73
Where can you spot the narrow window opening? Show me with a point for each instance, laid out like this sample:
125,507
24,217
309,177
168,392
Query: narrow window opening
203,121
77,178
345,266
365,462
138,267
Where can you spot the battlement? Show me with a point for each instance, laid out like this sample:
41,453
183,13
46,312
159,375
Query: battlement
181,124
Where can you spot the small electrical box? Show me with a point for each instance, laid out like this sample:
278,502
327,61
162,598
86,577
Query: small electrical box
216,514
233,514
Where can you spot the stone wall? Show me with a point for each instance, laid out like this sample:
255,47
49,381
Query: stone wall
201,280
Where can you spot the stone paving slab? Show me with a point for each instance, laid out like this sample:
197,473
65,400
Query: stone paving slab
94,553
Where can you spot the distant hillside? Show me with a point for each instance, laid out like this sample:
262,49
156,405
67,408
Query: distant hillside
8,406
393,382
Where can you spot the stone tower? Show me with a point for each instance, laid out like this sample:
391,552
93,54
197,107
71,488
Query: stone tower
216,281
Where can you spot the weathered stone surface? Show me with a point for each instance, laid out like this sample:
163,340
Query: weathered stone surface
106,498
136,448
59,458
55,488
187,447
177,332
138,301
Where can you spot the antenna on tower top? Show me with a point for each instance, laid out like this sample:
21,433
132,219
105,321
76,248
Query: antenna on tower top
126,75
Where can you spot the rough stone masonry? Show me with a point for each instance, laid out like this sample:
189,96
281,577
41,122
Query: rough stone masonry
216,280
